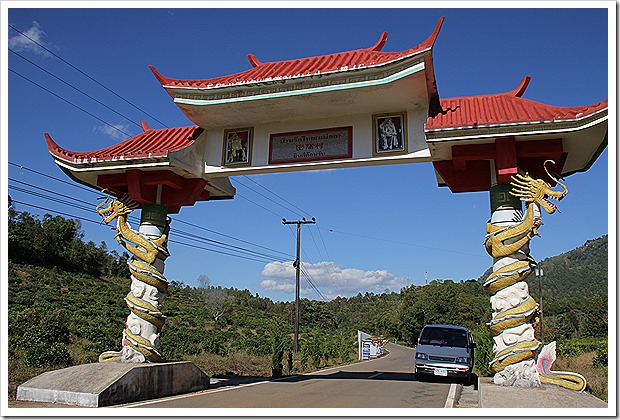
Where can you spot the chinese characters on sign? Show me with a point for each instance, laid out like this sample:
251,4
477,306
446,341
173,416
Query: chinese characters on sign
310,146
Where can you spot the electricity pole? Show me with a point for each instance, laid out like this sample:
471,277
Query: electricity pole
297,265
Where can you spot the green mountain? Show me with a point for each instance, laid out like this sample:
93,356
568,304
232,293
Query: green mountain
578,274
571,278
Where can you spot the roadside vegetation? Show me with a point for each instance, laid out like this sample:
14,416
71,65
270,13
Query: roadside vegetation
66,307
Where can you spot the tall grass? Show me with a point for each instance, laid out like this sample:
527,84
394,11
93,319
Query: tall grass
595,374
238,364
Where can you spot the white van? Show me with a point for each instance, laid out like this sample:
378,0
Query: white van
444,350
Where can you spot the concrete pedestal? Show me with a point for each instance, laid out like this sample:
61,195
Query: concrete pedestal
111,383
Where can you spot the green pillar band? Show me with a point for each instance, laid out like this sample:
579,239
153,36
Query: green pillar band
154,214
500,197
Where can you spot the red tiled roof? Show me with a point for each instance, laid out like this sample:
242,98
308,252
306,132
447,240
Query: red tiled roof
149,144
261,72
503,109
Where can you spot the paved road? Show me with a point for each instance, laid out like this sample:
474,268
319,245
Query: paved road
384,382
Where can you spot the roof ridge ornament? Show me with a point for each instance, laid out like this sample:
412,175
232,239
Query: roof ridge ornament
51,144
430,41
145,126
253,60
380,43
519,91
161,78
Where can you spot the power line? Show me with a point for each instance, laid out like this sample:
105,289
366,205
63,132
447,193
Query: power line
331,269
86,75
48,197
94,191
231,237
194,237
216,251
280,197
405,243
73,87
263,195
187,235
171,240
315,245
312,283
43,189
57,212
69,102
73,184
255,203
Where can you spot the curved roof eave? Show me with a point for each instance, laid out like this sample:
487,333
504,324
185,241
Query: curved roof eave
289,69
560,124
506,111
517,128
151,145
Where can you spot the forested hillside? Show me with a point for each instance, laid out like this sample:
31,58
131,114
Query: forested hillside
66,307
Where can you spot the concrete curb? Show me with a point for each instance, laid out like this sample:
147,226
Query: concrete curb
451,400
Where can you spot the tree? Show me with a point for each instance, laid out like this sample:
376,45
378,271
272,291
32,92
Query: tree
595,321
204,282
483,353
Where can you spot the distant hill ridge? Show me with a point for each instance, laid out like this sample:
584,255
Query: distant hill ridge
578,274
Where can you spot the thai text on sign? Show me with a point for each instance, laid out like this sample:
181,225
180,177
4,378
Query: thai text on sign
310,146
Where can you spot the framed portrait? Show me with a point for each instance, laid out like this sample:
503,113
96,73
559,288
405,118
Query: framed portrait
237,147
389,133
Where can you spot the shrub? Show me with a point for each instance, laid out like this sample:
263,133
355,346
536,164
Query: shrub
577,346
277,351
600,359
46,344
305,354
483,354
316,351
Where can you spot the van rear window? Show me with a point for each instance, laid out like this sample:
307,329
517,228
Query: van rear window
448,337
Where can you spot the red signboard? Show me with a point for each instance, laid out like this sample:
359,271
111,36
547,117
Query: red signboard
311,145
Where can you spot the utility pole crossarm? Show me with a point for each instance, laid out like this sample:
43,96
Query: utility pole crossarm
303,221
297,265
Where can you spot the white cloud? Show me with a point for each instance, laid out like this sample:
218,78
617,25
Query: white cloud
114,130
330,279
19,43
277,286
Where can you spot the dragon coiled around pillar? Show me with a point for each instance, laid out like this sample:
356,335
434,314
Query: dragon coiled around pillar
148,285
514,310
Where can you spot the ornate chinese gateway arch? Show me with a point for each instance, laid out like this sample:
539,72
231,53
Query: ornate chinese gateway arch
354,108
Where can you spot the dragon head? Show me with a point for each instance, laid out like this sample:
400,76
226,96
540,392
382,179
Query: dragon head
111,209
532,190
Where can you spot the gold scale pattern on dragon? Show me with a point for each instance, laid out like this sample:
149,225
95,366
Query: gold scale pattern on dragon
140,341
518,357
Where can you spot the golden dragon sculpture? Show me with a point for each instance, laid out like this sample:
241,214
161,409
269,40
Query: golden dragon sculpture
140,341
507,241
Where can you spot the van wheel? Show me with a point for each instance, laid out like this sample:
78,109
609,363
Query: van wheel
468,379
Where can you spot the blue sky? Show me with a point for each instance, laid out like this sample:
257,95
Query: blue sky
378,227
